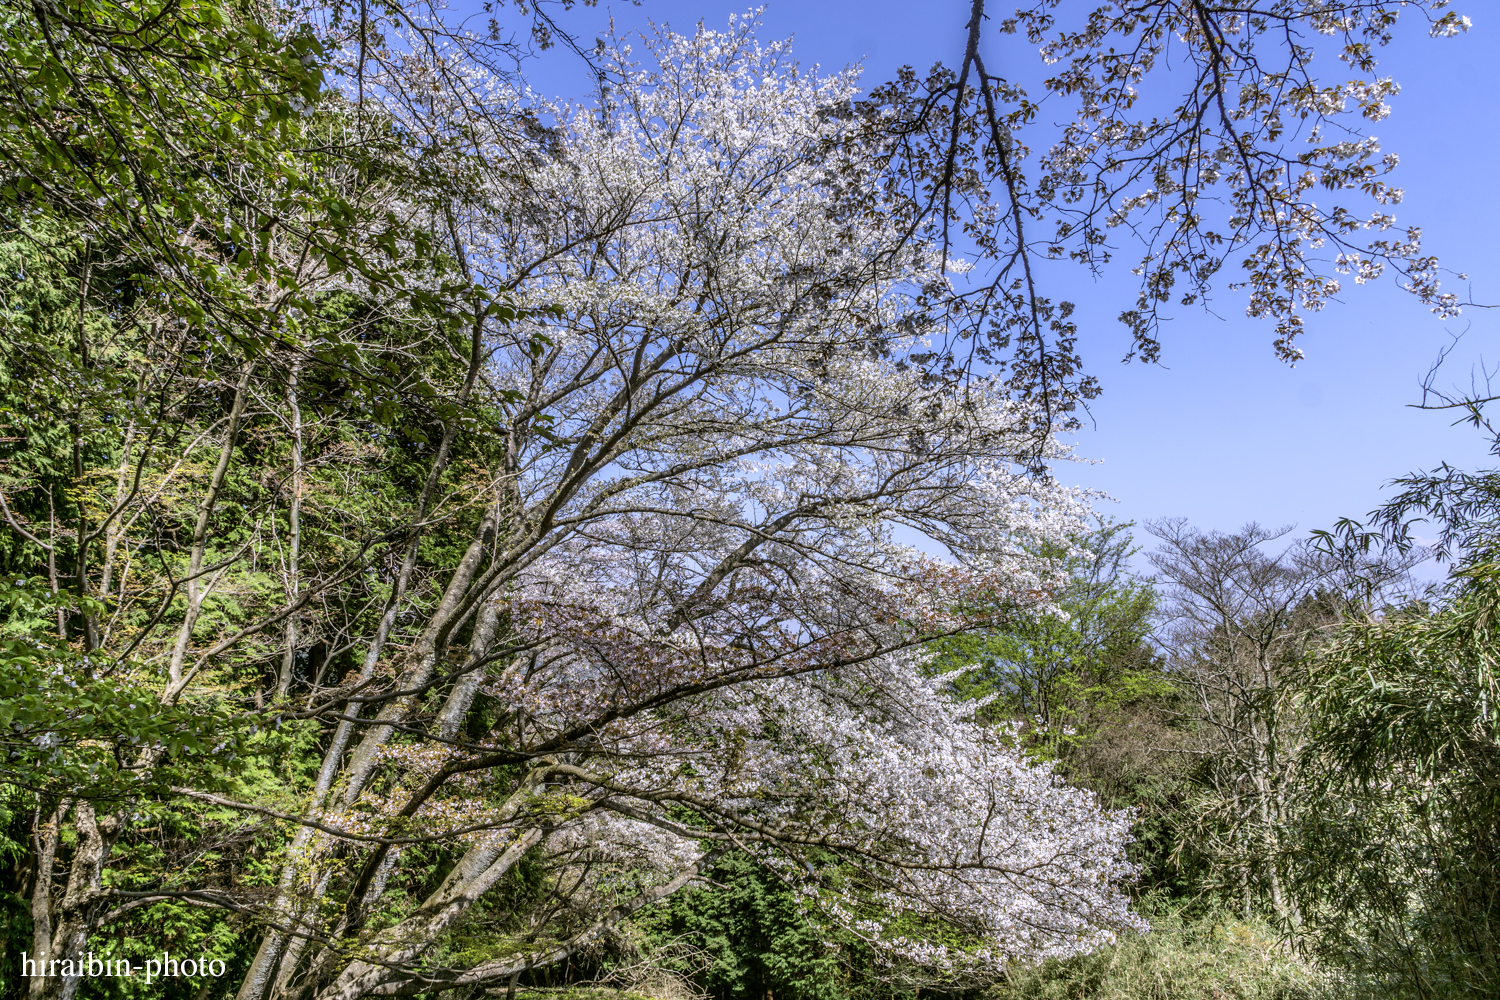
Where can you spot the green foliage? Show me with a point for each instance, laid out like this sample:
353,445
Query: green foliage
1213,957
1088,692
753,937
581,992
55,409
1398,862
137,116
178,194
180,929
1062,673
68,731
15,914
182,134
754,944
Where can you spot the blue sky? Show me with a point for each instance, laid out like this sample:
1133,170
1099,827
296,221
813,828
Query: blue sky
1221,432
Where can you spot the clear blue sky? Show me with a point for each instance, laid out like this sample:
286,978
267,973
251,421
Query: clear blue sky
1221,432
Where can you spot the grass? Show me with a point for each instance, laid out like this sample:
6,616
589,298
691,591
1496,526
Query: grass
1210,958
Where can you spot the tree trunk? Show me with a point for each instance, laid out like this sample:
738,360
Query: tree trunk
196,592
294,538
81,903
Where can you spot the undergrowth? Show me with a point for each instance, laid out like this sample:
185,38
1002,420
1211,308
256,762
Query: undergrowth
1204,957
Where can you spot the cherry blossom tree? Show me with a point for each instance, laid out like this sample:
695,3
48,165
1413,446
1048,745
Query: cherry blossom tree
688,474
691,607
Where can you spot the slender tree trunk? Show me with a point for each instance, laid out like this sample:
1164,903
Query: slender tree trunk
423,659
81,556
115,532
195,591
81,903
62,616
262,974
294,540
278,954
456,708
46,836
416,934
449,719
